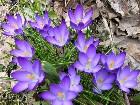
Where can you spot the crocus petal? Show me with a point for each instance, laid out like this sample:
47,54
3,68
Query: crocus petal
96,69
120,60
81,39
130,84
77,79
102,74
55,88
71,95
32,85
41,77
21,75
18,31
123,73
133,75
19,87
73,25
71,16
33,24
8,33
71,71
78,12
77,88
20,44
109,79
125,89
46,18
67,103
25,64
19,20
8,28
95,60
88,15
83,58
37,67
17,53
91,52
110,57
89,41
57,102
81,26
79,66
106,87
51,40
47,96
103,58
65,83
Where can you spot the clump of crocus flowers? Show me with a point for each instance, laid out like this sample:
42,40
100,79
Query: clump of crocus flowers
107,69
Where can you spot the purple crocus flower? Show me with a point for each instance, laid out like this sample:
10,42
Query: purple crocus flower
103,80
112,61
60,94
29,76
88,61
74,80
127,78
24,49
41,22
82,44
58,35
14,25
80,19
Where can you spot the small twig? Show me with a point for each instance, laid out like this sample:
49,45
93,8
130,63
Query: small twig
126,99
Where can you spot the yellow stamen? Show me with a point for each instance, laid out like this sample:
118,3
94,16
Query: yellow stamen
30,76
60,95
14,26
112,63
100,81
26,53
85,48
88,65
41,24
123,80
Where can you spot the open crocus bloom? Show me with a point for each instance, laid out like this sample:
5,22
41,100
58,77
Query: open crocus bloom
74,80
58,35
79,19
112,61
88,61
29,76
103,80
127,78
24,49
41,22
82,44
14,25
60,94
